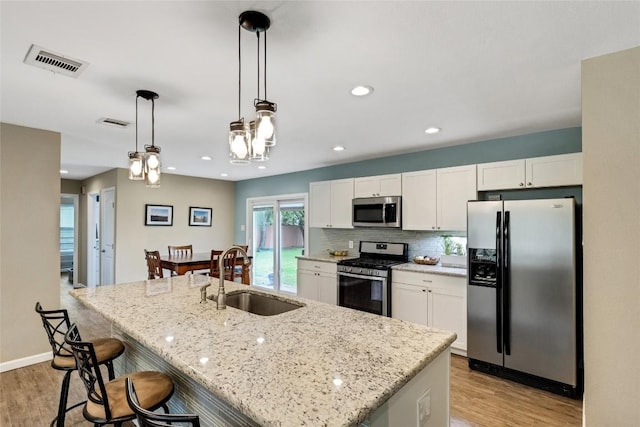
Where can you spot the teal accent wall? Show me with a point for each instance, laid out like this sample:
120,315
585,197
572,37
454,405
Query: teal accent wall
561,141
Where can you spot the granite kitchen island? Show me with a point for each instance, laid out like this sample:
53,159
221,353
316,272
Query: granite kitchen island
318,365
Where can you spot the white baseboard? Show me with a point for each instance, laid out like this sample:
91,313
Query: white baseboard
25,361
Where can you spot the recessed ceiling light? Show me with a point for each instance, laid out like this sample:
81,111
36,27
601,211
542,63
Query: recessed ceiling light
62,171
171,168
338,148
361,90
205,158
224,174
432,130
262,167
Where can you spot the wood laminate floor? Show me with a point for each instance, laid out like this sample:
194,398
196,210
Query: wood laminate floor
29,396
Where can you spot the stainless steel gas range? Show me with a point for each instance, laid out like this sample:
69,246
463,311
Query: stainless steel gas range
365,283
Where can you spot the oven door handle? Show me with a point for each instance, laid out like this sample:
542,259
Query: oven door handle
360,276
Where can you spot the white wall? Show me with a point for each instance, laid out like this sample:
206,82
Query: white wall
132,236
29,238
611,194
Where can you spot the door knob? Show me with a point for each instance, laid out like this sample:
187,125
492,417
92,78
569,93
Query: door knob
103,250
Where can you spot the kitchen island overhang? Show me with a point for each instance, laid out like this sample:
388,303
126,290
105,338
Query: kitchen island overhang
316,365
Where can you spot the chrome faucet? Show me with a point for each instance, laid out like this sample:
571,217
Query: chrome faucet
221,298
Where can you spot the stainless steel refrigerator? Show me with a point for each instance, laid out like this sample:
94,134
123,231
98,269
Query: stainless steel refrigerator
523,308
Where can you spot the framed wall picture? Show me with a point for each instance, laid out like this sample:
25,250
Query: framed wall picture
200,217
158,215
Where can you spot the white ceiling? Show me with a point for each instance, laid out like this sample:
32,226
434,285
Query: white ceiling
478,70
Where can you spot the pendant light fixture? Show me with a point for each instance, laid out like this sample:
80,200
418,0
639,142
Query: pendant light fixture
146,165
251,142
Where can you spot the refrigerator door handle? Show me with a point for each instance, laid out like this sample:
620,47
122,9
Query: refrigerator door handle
499,343
506,247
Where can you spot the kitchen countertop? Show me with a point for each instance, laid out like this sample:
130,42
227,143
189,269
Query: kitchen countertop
325,257
432,269
277,370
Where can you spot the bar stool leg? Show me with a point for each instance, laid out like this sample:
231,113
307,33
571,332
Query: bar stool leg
110,370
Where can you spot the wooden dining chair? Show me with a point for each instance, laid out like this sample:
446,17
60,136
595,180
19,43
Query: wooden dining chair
184,250
239,269
154,419
106,402
229,264
154,265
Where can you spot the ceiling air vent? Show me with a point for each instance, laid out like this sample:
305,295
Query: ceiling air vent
113,122
56,62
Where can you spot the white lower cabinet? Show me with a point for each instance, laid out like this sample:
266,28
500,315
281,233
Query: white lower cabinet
318,281
433,300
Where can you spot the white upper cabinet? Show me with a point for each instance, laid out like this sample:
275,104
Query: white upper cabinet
330,204
378,186
536,172
456,186
552,171
419,200
437,199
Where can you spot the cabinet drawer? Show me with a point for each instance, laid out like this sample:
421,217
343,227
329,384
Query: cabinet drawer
318,266
454,284
411,278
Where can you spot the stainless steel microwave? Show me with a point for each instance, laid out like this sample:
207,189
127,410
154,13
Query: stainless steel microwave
377,212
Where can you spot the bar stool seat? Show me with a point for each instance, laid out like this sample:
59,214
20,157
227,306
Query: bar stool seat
107,349
152,386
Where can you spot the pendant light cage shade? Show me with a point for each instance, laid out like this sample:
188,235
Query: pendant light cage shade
146,166
250,142
239,143
136,166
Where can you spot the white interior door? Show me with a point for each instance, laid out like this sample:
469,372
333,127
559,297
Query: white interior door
107,241
93,239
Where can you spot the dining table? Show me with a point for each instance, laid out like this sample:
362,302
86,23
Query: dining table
182,264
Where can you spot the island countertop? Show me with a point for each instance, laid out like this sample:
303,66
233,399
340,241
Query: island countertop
316,365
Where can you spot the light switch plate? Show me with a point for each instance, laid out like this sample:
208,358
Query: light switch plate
350,244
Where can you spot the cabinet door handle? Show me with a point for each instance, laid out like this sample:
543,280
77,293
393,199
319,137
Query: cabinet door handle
522,184
529,184
424,290
427,281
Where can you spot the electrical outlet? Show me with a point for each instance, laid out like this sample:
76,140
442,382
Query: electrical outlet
350,244
424,408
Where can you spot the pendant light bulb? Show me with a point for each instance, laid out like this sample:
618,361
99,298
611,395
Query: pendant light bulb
136,166
265,131
153,178
258,146
238,146
239,143
153,161
265,122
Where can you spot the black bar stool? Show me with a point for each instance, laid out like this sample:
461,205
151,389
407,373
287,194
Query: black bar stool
106,401
56,323
152,419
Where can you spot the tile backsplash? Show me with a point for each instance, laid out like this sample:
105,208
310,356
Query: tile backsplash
420,242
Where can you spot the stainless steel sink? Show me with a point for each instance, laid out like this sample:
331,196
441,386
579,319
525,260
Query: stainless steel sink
262,305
